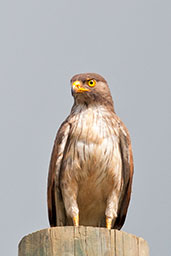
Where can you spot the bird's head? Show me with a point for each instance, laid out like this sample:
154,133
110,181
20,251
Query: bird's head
90,88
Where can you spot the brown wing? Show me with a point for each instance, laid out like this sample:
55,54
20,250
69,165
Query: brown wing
56,208
127,174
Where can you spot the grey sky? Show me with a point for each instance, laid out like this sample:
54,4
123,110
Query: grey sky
43,44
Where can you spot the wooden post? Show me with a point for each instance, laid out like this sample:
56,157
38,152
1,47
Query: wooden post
82,241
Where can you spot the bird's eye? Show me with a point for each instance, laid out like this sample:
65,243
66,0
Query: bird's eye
91,82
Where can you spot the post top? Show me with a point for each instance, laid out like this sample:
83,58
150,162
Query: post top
82,241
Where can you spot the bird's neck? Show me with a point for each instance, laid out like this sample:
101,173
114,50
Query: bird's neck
95,106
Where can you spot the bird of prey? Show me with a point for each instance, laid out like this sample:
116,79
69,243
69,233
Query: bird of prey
91,167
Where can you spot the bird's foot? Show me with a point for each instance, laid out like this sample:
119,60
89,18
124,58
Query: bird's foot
108,222
76,220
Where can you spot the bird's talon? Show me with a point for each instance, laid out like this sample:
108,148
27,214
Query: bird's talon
76,220
108,222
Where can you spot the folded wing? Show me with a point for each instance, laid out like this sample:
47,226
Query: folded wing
127,174
56,210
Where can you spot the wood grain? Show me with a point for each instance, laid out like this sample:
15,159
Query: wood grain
82,241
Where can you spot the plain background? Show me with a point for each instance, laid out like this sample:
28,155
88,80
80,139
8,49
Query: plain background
42,45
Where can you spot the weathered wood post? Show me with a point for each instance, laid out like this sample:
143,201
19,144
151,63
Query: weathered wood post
82,241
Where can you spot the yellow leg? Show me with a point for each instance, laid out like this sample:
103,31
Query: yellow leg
108,222
76,220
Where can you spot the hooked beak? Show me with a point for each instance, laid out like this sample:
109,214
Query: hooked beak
76,86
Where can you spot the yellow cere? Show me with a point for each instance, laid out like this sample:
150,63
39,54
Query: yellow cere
91,82
76,84
77,87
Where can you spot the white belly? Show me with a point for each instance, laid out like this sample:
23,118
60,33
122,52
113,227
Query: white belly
95,165
99,170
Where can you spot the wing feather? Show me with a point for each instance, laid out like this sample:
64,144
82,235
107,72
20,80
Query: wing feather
127,174
56,210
